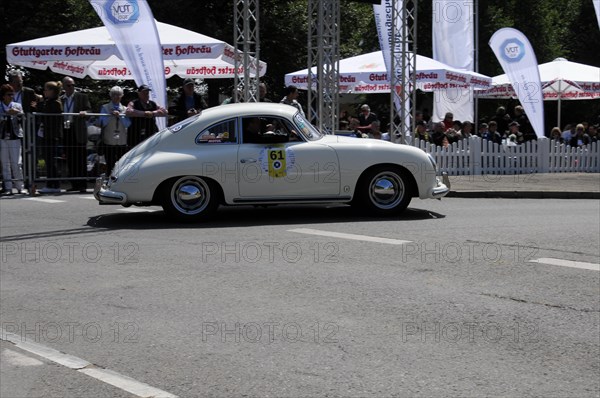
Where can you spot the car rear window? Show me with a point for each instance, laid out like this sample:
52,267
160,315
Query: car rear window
219,133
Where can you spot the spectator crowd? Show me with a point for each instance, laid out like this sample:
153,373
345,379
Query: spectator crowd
63,119
502,128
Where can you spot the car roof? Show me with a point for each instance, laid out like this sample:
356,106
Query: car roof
249,109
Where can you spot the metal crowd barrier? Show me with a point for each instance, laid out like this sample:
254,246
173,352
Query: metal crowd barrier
35,149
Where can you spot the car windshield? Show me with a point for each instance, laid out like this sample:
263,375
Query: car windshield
309,131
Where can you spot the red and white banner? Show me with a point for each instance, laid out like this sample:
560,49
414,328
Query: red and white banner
518,60
132,26
97,44
115,68
453,43
367,73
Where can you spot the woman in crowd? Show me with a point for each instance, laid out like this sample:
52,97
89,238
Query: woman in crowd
10,141
555,134
114,124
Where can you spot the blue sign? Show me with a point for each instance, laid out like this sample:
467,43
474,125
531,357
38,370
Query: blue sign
512,50
122,11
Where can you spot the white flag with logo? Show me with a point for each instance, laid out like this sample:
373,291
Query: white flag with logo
518,60
452,22
597,7
132,27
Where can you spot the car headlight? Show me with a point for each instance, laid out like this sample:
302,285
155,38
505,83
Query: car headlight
433,163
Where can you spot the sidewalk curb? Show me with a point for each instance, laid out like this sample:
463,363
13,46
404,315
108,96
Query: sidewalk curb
524,194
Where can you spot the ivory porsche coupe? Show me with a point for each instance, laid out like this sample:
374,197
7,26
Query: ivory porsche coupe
265,154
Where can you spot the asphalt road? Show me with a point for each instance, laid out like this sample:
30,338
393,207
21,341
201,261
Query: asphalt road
263,302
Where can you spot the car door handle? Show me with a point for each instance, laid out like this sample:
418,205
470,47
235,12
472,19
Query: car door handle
248,160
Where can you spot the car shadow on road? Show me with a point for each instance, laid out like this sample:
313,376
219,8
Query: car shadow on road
249,216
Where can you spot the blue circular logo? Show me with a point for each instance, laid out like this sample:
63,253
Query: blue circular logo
122,11
513,50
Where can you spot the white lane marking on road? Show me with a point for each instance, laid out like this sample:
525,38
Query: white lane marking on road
45,200
18,359
567,263
126,383
45,352
81,365
341,235
88,197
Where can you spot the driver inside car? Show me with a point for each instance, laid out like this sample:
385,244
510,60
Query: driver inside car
274,133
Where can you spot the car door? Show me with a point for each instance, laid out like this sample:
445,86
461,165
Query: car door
287,169
215,154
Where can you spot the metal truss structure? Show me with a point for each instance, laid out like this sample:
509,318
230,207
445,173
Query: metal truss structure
403,84
247,50
324,54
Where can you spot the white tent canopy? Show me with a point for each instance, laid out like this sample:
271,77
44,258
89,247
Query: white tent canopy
561,80
367,74
92,52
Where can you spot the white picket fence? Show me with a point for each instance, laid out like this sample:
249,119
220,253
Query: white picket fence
475,156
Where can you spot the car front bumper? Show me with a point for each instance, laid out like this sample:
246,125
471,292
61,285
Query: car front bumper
105,196
442,188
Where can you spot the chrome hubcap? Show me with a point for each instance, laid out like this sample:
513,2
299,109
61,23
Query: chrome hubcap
190,195
386,190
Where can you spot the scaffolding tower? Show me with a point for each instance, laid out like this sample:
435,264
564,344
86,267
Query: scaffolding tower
247,50
324,55
403,91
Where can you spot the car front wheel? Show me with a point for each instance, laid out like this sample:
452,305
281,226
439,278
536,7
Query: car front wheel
384,191
190,198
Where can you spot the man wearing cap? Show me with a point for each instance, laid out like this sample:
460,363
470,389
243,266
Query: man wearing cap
484,132
514,135
142,112
421,131
189,102
365,118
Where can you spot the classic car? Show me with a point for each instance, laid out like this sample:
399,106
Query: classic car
265,154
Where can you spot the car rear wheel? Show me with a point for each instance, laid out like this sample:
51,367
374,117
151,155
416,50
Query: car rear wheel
190,198
384,191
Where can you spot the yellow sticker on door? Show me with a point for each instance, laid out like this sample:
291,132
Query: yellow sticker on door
276,161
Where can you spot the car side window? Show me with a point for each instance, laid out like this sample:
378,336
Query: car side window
268,130
220,133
